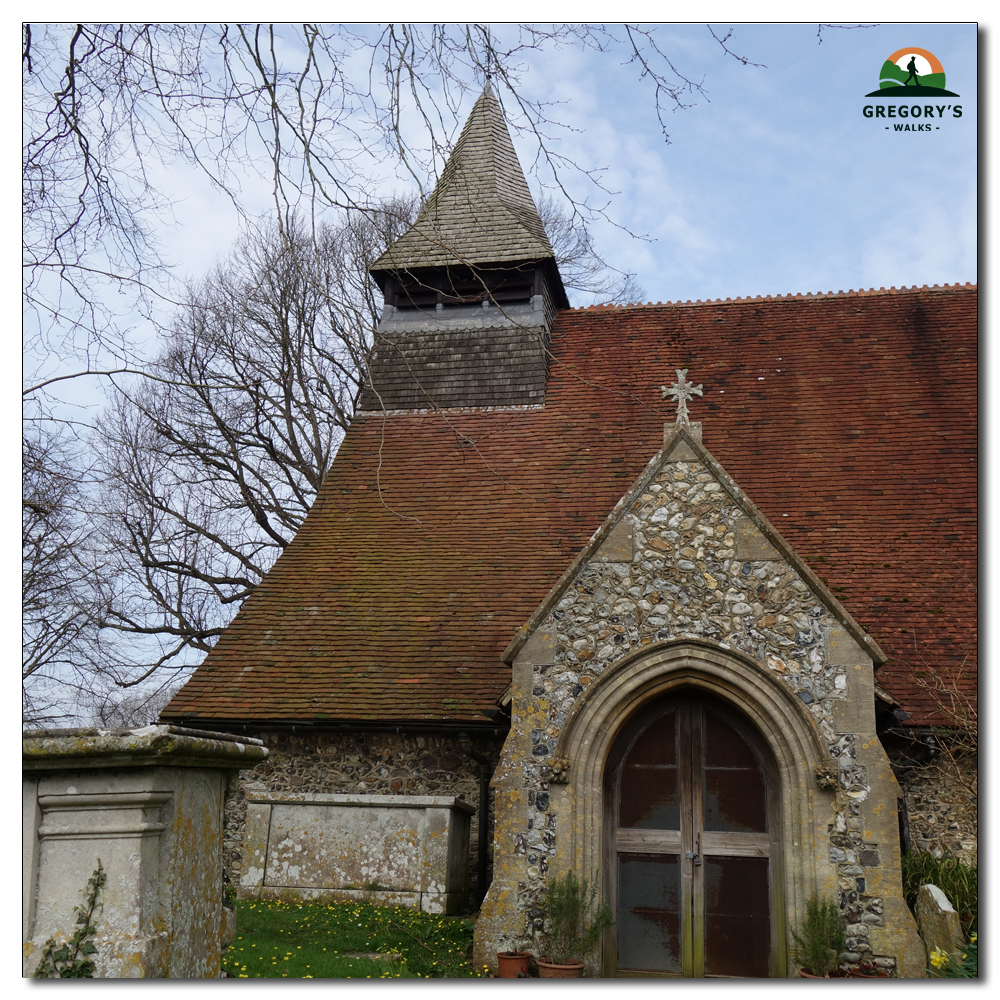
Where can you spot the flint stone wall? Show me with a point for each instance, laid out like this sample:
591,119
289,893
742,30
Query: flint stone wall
941,804
147,803
355,764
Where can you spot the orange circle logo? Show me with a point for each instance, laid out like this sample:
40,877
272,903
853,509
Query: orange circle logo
912,72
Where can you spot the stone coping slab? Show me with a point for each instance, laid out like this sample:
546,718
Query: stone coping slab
145,746
384,801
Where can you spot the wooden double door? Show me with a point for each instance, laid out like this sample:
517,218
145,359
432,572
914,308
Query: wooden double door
691,806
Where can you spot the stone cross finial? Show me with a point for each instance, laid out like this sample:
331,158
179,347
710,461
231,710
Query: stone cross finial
682,391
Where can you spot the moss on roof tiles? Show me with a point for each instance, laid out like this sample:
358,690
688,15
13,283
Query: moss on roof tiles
446,536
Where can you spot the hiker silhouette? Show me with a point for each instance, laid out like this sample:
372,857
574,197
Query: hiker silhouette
911,67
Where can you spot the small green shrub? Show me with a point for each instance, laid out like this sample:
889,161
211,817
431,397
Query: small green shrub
821,939
958,880
575,919
71,960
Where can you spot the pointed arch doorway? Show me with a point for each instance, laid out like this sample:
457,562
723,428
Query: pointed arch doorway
692,845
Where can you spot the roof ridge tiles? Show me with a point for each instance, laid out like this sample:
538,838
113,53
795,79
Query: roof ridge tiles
780,297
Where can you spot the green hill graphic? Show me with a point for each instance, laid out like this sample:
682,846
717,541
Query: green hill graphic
892,76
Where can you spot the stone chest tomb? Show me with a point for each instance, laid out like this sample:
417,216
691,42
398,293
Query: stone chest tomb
392,850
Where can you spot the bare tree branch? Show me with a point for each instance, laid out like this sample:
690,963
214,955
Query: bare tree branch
108,106
229,397
211,466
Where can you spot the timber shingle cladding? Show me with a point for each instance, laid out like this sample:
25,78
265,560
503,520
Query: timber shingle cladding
481,211
501,365
470,288
848,419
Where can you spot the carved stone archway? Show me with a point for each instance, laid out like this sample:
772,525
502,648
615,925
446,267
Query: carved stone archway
780,718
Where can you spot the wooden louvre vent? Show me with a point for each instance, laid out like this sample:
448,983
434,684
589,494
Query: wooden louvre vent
462,286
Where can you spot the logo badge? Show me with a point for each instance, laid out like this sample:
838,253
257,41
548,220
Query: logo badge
911,73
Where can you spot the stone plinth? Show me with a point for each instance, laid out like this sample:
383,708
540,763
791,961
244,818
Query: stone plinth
148,805
405,850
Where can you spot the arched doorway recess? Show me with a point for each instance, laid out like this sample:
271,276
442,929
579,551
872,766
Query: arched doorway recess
783,737
692,805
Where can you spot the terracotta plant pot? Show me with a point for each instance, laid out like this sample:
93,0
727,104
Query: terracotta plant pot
512,964
550,970
869,974
806,974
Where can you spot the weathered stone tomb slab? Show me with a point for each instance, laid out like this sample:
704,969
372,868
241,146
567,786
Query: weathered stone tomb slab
409,850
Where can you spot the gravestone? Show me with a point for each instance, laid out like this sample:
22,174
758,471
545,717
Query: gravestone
147,805
939,923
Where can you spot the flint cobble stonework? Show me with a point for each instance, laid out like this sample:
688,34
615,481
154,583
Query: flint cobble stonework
372,763
942,804
688,578
760,607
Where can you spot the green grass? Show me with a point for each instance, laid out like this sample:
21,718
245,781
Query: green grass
314,941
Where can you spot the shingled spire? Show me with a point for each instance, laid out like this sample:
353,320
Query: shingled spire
481,211
471,288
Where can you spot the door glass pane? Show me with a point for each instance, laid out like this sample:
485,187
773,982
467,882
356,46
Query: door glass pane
648,792
649,912
734,794
737,917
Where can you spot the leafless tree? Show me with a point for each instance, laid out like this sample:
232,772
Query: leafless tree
108,705
59,570
316,108
211,468
580,265
210,442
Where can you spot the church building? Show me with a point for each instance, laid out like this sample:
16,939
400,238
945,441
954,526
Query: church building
662,594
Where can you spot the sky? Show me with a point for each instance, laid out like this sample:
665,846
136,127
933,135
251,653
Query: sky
778,182
773,182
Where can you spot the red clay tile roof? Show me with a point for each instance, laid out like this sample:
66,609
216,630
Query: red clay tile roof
849,419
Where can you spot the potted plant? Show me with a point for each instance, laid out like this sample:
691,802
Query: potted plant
574,920
820,940
868,970
513,964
